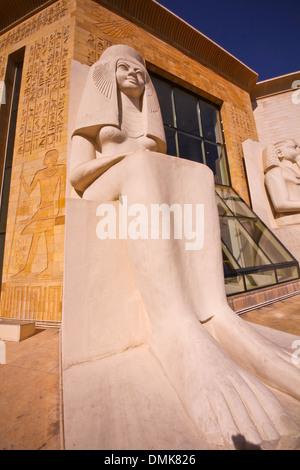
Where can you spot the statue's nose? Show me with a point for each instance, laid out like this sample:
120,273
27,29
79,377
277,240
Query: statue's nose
132,71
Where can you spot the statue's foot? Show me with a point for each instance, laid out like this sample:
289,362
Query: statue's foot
228,405
271,363
234,408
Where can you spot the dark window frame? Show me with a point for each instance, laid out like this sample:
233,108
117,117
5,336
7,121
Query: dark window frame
200,139
9,111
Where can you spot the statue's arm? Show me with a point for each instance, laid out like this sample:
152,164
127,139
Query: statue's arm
278,192
85,168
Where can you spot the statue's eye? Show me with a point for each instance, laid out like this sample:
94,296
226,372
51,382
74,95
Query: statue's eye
123,66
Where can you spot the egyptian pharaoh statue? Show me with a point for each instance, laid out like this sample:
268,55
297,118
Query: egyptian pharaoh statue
212,358
282,179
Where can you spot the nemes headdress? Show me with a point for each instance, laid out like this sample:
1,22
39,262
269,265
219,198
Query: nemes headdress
273,154
270,158
99,103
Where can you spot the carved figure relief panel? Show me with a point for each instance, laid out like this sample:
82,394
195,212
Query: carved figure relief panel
281,163
34,246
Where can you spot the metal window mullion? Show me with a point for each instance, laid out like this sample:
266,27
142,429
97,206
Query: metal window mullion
175,121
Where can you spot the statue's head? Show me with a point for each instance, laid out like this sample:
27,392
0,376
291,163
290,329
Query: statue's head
288,149
285,149
119,69
131,78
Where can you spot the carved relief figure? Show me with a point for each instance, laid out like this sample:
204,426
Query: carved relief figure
51,182
282,176
215,360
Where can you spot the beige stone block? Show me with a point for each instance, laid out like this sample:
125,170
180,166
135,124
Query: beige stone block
16,331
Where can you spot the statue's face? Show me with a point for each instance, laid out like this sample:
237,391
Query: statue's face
130,78
290,150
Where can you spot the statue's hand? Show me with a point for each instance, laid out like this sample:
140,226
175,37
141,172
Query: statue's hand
292,179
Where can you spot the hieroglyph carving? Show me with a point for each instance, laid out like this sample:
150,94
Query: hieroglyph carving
45,97
38,22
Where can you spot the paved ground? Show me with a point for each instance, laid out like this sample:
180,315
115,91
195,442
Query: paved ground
283,315
30,388
30,402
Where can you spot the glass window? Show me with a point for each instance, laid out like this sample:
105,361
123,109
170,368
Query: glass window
230,264
234,284
164,94
215,159
222,208
267,242
190,147
252,256
210,123
171,138
234,202
260,279
197,128
241,244
186,112
287,274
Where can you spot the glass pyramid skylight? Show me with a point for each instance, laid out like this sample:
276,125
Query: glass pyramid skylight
253,257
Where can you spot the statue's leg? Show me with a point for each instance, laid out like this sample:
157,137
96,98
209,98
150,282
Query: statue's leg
183,288
180,287
199,273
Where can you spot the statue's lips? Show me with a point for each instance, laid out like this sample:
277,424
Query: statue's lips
132,80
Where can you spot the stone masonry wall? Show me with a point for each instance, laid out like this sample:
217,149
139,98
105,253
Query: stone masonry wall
278,117
34,245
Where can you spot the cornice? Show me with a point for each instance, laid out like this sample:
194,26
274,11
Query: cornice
169,27
159,21
13,12
275,86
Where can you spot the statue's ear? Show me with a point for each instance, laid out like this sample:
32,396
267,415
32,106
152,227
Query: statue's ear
279,153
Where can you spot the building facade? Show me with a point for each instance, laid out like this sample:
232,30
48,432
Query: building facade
206,96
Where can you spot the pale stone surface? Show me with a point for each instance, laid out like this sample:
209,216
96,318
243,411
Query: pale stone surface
106,308
2,353
277,116
125,401
135,386
16,331
286,227
149,342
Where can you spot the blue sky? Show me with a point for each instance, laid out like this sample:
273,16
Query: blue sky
264,35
